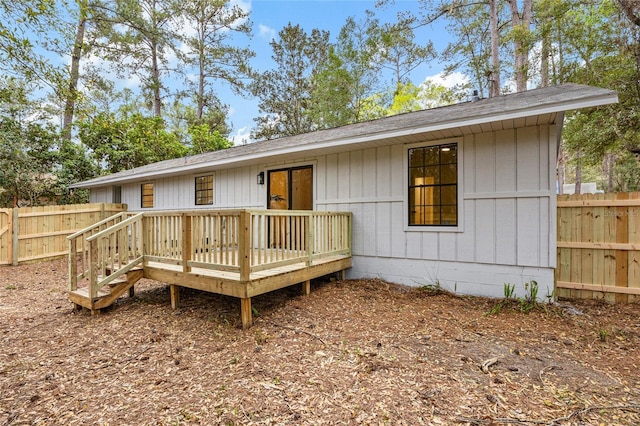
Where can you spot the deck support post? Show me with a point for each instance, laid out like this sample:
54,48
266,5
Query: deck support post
174,291
245,312
341,275
306,287
132,292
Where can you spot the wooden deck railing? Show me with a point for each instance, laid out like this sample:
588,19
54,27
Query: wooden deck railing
79,247
237,241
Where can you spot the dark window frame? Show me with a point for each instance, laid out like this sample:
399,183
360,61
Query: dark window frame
203,187
424,167
145,197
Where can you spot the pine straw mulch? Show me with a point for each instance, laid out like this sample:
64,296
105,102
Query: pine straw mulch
353,352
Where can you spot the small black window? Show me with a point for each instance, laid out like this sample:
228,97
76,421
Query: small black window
204,190
147,195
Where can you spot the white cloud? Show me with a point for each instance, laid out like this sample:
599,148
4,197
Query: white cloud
242,136
244,5
450,80
266,32
133,82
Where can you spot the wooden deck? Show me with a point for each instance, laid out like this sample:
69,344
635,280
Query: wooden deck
239,253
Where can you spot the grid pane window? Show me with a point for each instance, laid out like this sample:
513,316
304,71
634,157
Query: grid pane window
433,185
204,190
147,195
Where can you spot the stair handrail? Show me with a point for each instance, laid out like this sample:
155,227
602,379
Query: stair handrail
115,227
78,239
127,253
98,224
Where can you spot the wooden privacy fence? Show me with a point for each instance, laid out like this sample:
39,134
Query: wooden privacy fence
38,233
599,247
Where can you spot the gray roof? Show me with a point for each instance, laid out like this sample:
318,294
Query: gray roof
547,101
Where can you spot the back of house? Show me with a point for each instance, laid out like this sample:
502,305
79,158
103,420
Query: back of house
461,196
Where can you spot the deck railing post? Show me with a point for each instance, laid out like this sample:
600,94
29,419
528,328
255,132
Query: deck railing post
73,264
186,242
93,269
349,227
310,236
244,245
146,239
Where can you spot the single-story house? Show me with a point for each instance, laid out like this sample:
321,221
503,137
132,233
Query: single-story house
462,196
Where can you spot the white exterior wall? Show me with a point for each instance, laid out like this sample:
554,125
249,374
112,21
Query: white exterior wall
506,231
507,214
232,188
100,195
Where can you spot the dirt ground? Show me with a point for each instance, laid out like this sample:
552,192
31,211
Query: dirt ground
353,352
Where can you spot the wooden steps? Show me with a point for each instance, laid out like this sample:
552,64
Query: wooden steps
108,294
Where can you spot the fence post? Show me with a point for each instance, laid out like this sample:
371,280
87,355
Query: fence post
9,236
15,235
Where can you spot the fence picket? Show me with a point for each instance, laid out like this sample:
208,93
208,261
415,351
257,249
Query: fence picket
599,246
39,233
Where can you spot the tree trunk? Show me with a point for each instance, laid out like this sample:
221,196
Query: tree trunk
201,76
155,71
494,83
627,7
560,169
609,163
74,73
521,49
579,172
544,60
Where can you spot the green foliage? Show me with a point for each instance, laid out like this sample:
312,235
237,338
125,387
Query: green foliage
27,157
603,335
136,37
285,94
74,165
28,150
523,304
122,143
19,53
203,140
396,49
348,76
332,97
470,48
530,299
405,99
509,291
433,289
215,22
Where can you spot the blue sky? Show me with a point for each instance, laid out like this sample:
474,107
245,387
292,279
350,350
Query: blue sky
270,16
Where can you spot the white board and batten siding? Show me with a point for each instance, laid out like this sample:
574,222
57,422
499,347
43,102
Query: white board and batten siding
232,188
506,232
506,204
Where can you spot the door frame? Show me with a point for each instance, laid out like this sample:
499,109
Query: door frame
290,168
